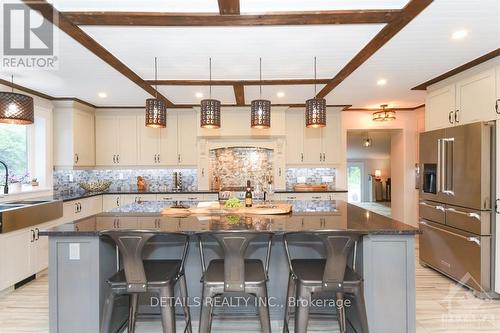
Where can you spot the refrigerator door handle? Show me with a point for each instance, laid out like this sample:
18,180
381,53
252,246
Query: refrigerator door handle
448,150
439,181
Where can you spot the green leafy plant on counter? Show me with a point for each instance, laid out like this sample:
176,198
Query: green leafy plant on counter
233,203
233,219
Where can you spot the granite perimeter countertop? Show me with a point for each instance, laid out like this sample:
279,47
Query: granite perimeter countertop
307,216
69,196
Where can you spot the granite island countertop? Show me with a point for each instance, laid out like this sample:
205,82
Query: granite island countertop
306,216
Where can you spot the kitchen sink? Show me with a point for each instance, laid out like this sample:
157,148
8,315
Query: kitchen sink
26,213
9,206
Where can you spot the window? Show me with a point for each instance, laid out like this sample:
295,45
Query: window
14,149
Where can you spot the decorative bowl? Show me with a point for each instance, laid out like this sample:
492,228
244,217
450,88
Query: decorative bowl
98,186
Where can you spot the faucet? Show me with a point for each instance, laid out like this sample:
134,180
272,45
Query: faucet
6,187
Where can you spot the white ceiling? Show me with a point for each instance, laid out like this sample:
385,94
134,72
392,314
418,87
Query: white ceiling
418,53
246,6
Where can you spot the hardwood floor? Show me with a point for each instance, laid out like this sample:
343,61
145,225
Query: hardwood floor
442,306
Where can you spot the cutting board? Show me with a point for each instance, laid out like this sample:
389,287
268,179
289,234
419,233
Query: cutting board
310,187
260,209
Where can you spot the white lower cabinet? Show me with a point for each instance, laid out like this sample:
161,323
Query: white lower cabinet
312,196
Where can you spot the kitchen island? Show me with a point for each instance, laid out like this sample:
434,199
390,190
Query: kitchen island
80,260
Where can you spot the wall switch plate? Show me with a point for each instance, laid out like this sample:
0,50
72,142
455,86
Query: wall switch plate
301,180
120,176
327,179
70,177
74,251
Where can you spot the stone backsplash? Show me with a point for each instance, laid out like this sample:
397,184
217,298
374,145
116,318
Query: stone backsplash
125,179
234,166
310,176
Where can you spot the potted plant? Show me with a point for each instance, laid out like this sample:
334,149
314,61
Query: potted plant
15,182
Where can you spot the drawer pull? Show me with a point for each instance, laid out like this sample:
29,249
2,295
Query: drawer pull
291,198
316,197
192,198
469,239
471,215
441,208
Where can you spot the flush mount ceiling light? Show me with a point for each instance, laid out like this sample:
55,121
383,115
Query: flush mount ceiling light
16,108
199,95
210,108
280,94
260,109
315,108
384,114
156,109
459,34
381,82
102,95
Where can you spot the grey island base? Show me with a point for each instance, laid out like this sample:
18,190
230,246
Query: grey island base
81,261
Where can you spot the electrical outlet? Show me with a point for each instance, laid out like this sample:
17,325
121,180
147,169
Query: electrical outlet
70,177
301,180
120,176
327,179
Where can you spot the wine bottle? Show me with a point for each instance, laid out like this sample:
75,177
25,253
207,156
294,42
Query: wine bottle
248,195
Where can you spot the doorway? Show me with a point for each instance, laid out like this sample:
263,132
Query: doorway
355,172
369,169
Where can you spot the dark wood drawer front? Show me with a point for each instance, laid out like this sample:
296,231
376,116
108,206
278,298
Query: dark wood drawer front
431,211
457,255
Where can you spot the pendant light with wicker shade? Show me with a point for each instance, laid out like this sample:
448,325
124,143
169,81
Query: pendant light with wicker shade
156,109
210,108
260,109
16,108
315,108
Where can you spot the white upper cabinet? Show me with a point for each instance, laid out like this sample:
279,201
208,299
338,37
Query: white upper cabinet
440,108
186,143
475,98
313,146
116,138
174,145
148,144
73,134
294,136
467,97
497,102
168,140
106,132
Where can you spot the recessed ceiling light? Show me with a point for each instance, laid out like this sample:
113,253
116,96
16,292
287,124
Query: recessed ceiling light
199,95
102,95
280,94
459,34
381,82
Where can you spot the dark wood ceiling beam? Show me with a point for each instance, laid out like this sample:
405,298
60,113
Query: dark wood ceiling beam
25,90
229,7
408,13
239,94
459,69
278,82
52,14
211,19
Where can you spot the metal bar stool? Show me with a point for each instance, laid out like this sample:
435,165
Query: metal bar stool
309,276
146,276
234,273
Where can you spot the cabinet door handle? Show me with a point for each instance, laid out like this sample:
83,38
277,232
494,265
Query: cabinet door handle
496,106
37,232
279,172
302,157
76,158
324,157
117,158
32,236
76,207
117,201
203,172
114,158
178,158
158,158
450,120
456,116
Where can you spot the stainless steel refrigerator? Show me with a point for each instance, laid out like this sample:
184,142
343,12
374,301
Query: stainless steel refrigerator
456,207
